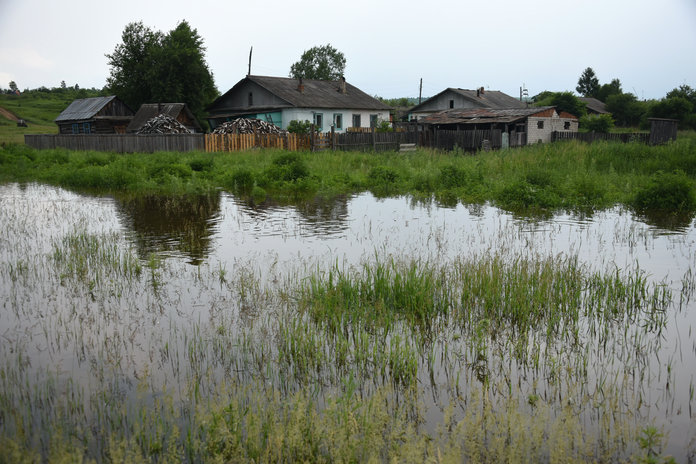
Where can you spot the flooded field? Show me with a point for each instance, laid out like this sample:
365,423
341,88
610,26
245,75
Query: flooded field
199,328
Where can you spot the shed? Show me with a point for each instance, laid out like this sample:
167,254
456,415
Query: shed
662,130
97,115
279,100
178,111
523,125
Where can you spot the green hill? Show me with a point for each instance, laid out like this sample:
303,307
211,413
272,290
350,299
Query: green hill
38,108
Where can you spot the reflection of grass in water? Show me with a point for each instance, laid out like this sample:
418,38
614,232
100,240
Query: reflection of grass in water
335,369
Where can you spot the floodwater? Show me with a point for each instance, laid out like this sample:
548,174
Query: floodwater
277,242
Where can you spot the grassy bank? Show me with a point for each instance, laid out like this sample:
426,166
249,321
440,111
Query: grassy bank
566,175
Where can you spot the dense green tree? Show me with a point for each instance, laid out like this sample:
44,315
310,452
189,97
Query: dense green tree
683,91
607,90
322,62
13,86
597,123
152,67
588,84
626,109
675,107
563,101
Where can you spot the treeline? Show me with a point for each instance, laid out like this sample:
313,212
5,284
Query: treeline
62,91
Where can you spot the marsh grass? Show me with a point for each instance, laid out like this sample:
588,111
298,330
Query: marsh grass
560,176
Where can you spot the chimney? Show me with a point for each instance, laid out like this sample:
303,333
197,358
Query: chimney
342,87
300,86
482,90
478,92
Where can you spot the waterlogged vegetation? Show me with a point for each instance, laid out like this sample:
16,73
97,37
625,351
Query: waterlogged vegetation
563,176
429,335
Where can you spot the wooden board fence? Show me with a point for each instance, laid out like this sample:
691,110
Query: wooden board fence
240,142
118,143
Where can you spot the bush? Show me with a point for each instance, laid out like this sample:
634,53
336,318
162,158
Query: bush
597,123
453,177
242,180
299,127
287,167
667,192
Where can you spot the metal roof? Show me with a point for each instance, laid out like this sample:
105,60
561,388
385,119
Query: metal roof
486,115
148,111
315,94
84,108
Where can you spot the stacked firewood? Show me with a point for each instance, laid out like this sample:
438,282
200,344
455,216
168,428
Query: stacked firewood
163,124
247,126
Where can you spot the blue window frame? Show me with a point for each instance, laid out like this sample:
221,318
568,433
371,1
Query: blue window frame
86,128
338,120
319,121
75,128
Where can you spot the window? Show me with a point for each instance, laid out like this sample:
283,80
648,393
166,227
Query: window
566,125
373,120
356,120
251,99
76,128
319,121
338,121
540,124
451,103
86,128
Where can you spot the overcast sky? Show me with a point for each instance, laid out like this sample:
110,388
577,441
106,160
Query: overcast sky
650,46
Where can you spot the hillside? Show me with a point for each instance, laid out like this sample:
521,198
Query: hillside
38,108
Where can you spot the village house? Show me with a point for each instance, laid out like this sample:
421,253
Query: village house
452,98
178,111
279,100
594,106
97,115
519,126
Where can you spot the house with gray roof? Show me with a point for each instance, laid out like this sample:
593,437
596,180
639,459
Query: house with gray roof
464,99
97,115
279,100
594,106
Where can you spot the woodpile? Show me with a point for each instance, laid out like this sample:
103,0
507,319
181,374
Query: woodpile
247,126
163,124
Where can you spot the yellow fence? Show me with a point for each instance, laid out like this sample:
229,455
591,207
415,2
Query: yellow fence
240,142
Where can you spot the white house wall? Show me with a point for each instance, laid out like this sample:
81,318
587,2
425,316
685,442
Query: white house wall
307,114
551,124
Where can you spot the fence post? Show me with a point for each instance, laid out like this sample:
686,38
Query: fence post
333,141
311,137
374,142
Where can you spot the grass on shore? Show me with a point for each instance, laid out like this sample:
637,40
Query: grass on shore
568,175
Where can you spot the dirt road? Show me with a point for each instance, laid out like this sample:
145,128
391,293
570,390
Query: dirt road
5,113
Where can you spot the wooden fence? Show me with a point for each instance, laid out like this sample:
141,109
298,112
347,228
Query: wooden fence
641,137
119,143
239,142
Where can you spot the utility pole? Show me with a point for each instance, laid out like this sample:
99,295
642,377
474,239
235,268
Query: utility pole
251,50
420,91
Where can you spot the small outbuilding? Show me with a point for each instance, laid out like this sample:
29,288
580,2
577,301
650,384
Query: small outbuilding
178,111
594,106
522,125
464,99
97,115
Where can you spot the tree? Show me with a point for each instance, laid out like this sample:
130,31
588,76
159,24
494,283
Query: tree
151,67
607,90
13,86
563,101
323,63
597,123
588,84
626,109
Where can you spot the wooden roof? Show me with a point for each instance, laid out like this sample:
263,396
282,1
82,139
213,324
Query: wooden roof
148,111
490,115
84,108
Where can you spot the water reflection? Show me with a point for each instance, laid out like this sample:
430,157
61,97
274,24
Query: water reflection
185,225
317,216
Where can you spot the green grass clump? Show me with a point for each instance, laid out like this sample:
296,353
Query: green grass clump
667,192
